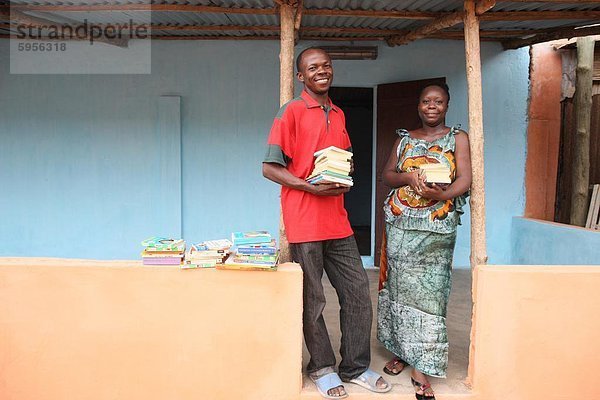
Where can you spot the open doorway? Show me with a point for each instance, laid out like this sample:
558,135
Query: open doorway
357,104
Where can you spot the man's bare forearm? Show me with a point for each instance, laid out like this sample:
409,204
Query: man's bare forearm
279,174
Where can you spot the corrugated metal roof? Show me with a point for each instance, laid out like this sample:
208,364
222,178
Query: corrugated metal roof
323,26
387,5
544,6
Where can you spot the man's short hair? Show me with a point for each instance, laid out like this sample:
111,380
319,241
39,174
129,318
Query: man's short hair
299,58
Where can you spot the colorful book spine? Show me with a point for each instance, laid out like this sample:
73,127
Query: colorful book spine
255,258
256,263
156,243
213,245
248,267
253,237
161,261
256,250
327,179
197,264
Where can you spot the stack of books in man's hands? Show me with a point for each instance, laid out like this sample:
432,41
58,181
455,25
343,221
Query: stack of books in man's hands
207,254
436,173
253,251
332,165
163,251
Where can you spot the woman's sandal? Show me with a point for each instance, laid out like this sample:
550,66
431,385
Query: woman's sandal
396,361
423,387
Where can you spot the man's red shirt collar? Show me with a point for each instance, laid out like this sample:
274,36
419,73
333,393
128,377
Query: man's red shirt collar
312,103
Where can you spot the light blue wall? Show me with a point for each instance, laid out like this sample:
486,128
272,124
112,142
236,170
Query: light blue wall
548,243
81,156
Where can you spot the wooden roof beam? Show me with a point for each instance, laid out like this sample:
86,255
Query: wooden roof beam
214,28
437,25
556,1
416,15
509,36
365,31
163,37
376,34
408,15
484,6
141,7
565,33
275,28
315,38
494,34
539,15
439,35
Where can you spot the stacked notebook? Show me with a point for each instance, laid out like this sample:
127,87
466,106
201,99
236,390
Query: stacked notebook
163,251
332,165
207,254
252,251
251,237
436,173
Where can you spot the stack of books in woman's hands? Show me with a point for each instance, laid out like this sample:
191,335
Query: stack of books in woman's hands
332,165
436,173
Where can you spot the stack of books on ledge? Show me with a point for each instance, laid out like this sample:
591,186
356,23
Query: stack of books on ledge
436,173
332,165
163,251
207,254
253,251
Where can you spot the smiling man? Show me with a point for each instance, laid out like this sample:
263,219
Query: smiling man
318,229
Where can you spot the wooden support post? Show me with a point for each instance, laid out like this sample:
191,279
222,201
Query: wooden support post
286,55
473,58
475,100
583,117
286,92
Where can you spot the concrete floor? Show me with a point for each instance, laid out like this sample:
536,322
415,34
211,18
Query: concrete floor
459,328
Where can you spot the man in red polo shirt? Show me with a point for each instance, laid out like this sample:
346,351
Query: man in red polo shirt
317,227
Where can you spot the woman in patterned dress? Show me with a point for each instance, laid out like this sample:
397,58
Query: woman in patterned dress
420,233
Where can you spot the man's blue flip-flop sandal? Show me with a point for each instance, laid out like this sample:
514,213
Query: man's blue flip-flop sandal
368,380
328,382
